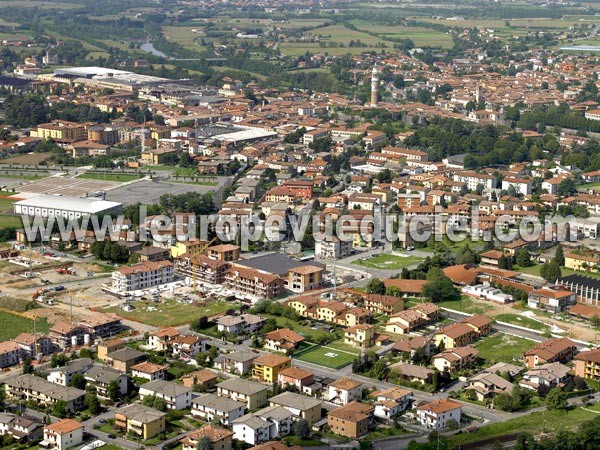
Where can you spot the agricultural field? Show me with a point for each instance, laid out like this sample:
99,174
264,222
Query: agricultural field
38,4
388,262
170,313
29,158
327,357
422,37
501,347
185,36
11,325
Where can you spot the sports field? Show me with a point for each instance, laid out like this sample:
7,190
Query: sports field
327,357
388,262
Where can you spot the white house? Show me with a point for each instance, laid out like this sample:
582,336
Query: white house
209,407
267,424
437,414
63,375
520,185
391,402
176,396
344,391
244,324
62,435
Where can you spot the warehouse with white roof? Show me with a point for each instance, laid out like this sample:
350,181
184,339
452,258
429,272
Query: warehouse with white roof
62,206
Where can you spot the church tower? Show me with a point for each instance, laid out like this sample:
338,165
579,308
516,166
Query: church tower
374,86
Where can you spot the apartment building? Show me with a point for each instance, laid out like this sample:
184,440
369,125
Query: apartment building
282,340
211,407
439,413
301,406
587,365
10,354
413,318
344,391
238,363
175,395
391,402
552,350
352,420
455,335
269,423
220,438
254,283
361,335
140,420
31,388
142,276
61,131
201,268
100,377
253,395
242,324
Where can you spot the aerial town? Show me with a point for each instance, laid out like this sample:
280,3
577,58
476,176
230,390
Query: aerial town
275,225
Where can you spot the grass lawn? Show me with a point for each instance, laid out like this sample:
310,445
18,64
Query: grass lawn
339,345
170,313
10,221
535,270
160,168
302,327
501,347
523,321
391,262
122,177
466,304
549,421
11,325
327,357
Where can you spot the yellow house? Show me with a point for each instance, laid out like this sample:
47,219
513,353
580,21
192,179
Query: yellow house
361,335
267,367
140,420
581,262
192,248
160,133
329,311
156,156
302,305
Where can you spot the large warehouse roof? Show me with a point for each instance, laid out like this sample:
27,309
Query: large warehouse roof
88,205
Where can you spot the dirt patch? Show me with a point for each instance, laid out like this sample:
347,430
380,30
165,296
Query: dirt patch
32,159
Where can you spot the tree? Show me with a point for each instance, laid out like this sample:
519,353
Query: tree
27,366
93,404
556,400
77,381
440,288
505,262
302,429
551,271
60,409
523,258
160,404
205,444
113,390
375,286
559,256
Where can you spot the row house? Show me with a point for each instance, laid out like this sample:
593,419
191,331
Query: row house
31,388
415,317
455,359
552,350
383,304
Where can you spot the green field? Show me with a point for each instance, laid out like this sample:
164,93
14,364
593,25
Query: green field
121,177
535,270
501,347
170,313
10,221
522,321
6,204
388,262
421,36
319,355
11,325
466,304
537,422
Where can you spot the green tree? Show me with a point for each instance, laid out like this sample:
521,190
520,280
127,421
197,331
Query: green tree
556,400
375,286
551,271
113,390
559,256
60,409
440,288
77,381
160,404
92,403
205,444
302,429
523,258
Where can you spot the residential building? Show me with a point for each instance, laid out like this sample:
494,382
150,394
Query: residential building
413,318
62,375
237,363
220,438
439,413
412,372
204,379
35,389
25,429
161,340
301,406
456,358
361,336
267,367
175,395
482,325
142,276
332,248
352,420
254,395
109,346
224,252
294,376
551,375
383,304
552,350
344,390
455,335
100,377
149,371
209,407
282,340
124,359
140,420
61,435
32,345
254,283
10,354
272,422
587,364
487,385
243,324
391,402
201,268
